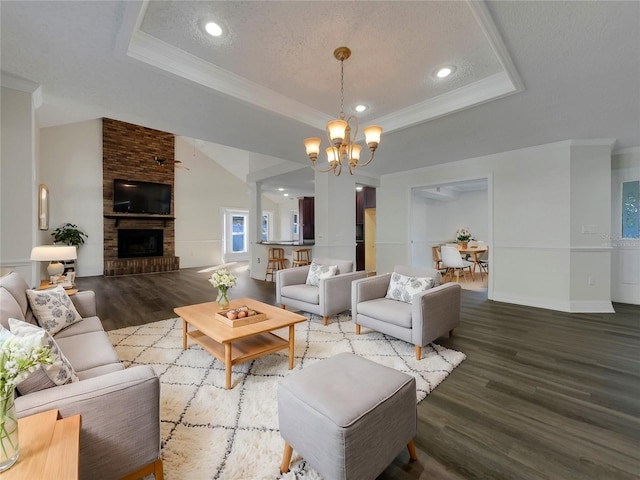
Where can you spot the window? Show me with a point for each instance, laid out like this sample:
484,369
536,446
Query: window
238,233
294,223
265,228
630,210
236,237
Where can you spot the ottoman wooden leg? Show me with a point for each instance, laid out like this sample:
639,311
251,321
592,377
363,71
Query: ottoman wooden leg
325,320
286,458
412,451
418,352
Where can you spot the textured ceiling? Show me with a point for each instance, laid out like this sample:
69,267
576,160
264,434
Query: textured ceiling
529,72
386,71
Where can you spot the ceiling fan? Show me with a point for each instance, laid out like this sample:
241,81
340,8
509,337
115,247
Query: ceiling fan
161,162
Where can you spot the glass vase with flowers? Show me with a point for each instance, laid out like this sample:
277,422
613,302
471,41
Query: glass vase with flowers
18,358
223,280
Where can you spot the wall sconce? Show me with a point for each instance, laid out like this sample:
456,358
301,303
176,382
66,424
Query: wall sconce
43,207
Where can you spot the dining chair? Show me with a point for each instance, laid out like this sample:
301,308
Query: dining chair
483,262
454,263
437,258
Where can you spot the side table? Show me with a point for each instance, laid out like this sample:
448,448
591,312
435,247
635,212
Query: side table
49,448
44,285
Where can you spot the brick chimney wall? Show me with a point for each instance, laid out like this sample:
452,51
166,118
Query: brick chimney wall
128,153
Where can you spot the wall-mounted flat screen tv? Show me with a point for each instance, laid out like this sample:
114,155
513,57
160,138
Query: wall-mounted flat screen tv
130,196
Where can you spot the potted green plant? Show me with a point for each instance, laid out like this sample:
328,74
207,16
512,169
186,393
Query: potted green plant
69,234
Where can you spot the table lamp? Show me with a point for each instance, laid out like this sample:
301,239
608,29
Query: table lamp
54,254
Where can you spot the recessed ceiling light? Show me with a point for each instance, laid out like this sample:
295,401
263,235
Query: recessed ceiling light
360,108
213,29
286,194
281,189
444,72
358,189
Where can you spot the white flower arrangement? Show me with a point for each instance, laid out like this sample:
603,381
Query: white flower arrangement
463,235
17,360
222,279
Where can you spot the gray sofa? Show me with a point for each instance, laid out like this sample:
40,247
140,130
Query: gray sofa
120,408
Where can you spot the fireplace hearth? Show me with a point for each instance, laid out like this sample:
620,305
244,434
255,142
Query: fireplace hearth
138,242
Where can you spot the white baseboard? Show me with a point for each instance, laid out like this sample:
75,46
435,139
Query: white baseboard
582,306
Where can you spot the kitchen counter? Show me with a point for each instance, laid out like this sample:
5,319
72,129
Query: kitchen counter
261,254
288,243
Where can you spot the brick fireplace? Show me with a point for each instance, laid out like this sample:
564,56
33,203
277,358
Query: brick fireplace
128,153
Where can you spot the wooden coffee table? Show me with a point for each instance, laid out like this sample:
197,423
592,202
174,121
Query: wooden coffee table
234,345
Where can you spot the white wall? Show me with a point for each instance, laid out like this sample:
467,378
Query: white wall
531,207
71,166
201,196
335,216
590,199
283,230
18,184
625,263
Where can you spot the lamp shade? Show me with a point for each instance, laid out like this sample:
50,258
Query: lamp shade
312,145
337,130
53,252
372,135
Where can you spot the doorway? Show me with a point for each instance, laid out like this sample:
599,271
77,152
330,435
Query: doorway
439,210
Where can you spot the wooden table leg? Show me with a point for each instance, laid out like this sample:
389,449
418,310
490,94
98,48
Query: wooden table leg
291,345
184,334
227,363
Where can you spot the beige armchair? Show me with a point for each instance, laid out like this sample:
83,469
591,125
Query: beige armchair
433,313
331,296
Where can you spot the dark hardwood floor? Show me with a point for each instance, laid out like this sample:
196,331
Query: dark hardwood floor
541,395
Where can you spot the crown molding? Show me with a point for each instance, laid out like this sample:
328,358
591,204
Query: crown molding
482,91
9,80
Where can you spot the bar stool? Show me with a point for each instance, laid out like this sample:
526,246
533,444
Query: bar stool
300,257
275,261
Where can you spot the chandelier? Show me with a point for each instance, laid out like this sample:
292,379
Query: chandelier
342,134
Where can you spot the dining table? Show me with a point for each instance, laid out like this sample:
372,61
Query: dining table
474,250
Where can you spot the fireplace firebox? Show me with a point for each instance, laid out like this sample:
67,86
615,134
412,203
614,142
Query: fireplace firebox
134,243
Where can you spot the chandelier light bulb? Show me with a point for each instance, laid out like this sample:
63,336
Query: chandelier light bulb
331,155
312,146
372,135
337,129
355,152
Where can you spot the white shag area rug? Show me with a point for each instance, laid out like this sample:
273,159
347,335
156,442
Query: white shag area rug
209,432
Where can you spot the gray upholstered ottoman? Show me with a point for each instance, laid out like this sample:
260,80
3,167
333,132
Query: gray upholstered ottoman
347,416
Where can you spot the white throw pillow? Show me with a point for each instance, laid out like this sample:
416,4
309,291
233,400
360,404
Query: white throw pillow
318,272
53,309
60,372
403,288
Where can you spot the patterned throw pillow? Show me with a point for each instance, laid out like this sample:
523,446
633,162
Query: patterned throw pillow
318,272
53,309
60,372
403,288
